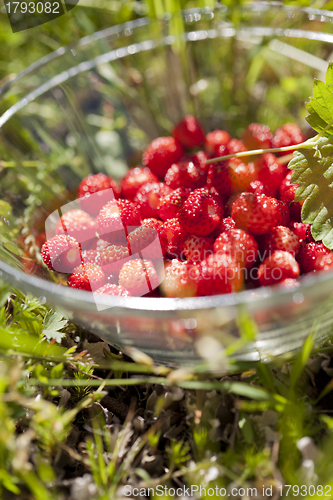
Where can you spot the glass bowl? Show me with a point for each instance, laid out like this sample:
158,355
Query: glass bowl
94,106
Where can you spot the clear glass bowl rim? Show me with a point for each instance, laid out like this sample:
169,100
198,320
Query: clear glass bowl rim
64,295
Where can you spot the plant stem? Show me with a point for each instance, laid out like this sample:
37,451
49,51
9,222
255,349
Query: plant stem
255,152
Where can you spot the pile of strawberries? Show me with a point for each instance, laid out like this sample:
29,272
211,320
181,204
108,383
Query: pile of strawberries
180,227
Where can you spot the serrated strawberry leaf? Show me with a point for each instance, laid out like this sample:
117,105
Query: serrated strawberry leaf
320,107
313,171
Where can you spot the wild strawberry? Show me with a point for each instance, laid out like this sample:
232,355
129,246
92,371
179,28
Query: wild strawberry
171,204
214,140
277,267
218,274
176,236
257,187
281,238
61,253
106,188
199,159
161,154
89,256
201,212
287,195
158,226
308,235
178,281
270,172
185,174
257,136
324,262
146,240
100,245
234,146
231,176
115,220
239,244
112,258
78,224
115,290
189,133
287,135
138,277
308,255
134,179
256,214
225,224
198,248
87,277
219,178
148,198
300,229
287,189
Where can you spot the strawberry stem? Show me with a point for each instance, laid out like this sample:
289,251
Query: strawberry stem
255,152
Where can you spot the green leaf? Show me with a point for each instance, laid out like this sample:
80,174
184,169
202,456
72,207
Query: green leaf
314,174
53,323
320,107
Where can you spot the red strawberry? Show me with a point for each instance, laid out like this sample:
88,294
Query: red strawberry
189,133
134,179
89,256
115,219
148,198
233,147
178,281
214,140
158,225
281,238
146,240
287,135
231,176
78,224
287,195
199,159
61,253
198,248
278,267
219,178
171,204
161,154
308,255
271,173
257,214
138,277
115,290
176,237
111,259
201,212
324,262
301,230
106,188
225,224
257,136
218,274
87,277
185,174
257,187
308,235
240,245
100,245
